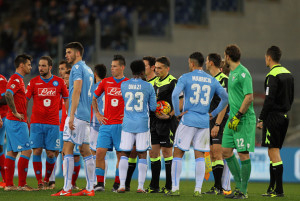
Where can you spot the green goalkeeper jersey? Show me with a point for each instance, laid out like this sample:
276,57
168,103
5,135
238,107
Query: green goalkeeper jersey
239,85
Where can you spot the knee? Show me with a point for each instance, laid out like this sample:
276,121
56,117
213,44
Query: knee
51,154
100,155
1,148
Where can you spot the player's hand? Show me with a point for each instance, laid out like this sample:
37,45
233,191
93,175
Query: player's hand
214,131
1,122
233,123
19,116
259,125
181,114
101,118
163,116
210,116
71,123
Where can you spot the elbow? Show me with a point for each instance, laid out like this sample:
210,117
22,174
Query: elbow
251,98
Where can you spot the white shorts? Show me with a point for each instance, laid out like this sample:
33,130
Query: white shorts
142,141
198,137
80,135
93,138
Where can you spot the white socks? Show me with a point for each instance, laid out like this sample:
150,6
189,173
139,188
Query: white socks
200,172
52,177
176,171
226,177
123,167
89,166
142,166
68,169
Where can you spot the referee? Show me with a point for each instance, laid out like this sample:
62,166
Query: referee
273,119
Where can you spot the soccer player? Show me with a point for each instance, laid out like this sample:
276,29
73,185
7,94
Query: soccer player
77,123
63,67
110,132
239,131
198,88
217,124
3,111
139,98
17,134
163,127
46,91
99,74
149,62
273,119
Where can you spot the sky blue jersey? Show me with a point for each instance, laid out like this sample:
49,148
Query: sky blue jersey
80,71
94,121
198,88
139,97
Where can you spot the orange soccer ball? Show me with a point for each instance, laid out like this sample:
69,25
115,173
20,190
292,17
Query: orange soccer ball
163,107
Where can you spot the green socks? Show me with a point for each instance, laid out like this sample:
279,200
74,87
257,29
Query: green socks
235,170
245,173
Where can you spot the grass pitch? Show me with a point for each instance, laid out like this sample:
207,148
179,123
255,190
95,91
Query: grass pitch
292,192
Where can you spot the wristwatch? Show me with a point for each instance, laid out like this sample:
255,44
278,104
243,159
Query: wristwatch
216,124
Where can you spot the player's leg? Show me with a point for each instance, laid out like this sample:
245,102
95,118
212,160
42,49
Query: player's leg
116,137
155,159
168,157
226,183
50,163
2,153
131,167
10,167
93,146
52,176
77,167
277,167
176,170
37,165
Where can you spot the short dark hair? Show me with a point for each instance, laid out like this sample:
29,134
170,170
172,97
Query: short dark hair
119,58
198,57
164,60
225,67
137,67
22,58
150,59
68,72
274,52
215,58
100,70
234,52
47,58
77,46
69,66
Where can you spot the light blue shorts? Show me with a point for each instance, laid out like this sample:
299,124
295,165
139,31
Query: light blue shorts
109,136
2,132
17,136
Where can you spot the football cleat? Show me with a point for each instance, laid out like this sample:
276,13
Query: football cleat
225,192
42,186
268,193
26,188
127,188
164,190
214,191
233,193
76,188
115,187
240,195
197,194
121,190
85,193
152,190
63,193
2,184
99,187
51,185
173,193
140,190
10,188
274,194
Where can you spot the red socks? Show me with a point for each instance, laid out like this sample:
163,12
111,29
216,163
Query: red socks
22,169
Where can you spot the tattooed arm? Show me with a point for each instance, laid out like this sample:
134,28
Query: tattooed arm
11,104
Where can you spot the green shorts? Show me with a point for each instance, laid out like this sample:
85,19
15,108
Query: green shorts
243,139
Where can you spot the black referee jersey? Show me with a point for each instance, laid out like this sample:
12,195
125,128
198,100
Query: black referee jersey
279,91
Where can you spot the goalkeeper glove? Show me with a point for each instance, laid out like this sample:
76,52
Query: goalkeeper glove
233,123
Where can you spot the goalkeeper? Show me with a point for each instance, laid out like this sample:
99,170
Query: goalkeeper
239,132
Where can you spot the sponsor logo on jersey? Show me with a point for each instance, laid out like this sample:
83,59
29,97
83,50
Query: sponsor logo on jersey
114,91
17,80
47,91
38,83
12,86
55,83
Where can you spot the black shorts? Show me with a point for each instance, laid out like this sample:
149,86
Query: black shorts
274,130
163,131
218,139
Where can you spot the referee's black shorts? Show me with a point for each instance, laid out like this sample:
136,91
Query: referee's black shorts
218,139
163,131
274,130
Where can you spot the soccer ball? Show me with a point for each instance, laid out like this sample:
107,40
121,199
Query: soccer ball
163,107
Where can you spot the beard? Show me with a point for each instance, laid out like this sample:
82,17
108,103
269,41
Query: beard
44,74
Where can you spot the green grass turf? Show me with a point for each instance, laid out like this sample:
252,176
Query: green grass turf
292,192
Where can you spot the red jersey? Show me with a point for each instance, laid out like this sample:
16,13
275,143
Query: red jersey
16,86
46,95
3,83
114,103
64,115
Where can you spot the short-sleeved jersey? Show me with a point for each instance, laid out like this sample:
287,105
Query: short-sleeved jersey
114,102
279,88
46,95
164,88
101,100
139,98
3,83
80,71
16,86
198,88
63,115
239,85
223,80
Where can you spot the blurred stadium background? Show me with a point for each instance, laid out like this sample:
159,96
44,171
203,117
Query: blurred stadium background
173,28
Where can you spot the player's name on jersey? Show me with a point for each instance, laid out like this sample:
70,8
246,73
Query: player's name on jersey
201,79
134,86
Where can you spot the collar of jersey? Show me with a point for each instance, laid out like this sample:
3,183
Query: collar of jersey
19,75
275,66
152,79
119,80
217,74
80,62
164,78
46,80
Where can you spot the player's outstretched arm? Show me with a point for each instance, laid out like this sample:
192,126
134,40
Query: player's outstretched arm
11,104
